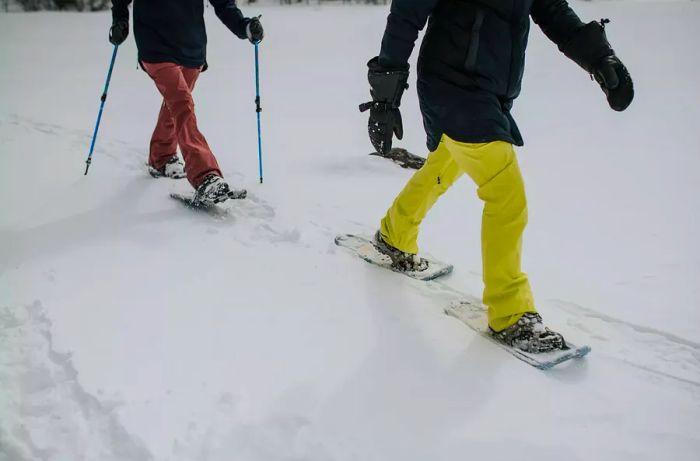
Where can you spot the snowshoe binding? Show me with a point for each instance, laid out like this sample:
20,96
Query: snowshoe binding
174,169
530,335
401,261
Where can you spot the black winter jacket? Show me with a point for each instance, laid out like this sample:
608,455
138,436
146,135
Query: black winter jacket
472,59
173,30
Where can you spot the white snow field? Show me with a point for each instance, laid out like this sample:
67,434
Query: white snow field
132,328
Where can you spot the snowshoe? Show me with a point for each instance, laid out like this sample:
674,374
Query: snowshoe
366,248
473,314
403,158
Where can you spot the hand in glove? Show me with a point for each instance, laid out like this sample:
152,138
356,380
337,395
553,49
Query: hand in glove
386,87
615,81
254,30
119,31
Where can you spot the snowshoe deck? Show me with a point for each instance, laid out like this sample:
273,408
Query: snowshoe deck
190,202
473,315
403,158
365,249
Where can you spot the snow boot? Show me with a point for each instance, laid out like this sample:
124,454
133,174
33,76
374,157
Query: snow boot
174,169
405,262
530,335
215,190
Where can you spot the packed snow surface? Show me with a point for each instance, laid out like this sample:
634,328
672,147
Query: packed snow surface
132,328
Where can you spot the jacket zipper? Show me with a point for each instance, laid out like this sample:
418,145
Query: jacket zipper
470,63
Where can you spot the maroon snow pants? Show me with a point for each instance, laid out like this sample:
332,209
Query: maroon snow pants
177,124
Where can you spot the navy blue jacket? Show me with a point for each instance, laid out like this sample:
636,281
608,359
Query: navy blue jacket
472,59
173,30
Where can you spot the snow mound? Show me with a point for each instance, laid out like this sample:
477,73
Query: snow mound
46,414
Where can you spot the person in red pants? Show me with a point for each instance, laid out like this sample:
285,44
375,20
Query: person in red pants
171,40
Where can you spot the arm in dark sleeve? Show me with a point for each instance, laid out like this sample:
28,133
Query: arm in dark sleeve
585,44
120,10
406,19
231,16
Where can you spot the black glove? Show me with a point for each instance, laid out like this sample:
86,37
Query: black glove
254,30
386,87
615,80
119,31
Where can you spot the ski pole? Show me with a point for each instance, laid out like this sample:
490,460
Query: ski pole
258,109
102,105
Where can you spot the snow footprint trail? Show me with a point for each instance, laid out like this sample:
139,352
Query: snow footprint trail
254,214
642,347
78,140
653,351
50,416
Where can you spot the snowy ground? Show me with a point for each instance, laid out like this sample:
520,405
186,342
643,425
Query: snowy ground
132,328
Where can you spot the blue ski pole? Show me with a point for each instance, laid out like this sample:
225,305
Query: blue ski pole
102,105
258,109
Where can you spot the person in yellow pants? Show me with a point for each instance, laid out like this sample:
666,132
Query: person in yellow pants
470,71
494,169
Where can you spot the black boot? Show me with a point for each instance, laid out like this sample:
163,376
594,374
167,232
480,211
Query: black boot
174,169
212,190
530,335
405,262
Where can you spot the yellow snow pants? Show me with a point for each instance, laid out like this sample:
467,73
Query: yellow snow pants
494,168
